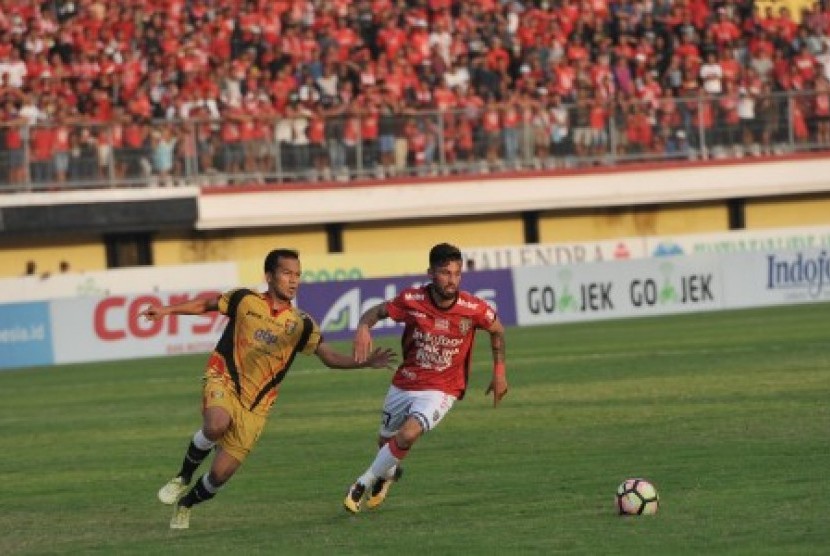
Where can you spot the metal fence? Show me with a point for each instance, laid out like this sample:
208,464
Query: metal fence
308,146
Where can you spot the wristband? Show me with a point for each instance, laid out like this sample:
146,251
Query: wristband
498,369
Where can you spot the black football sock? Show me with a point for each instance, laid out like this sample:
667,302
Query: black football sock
194,457
203,490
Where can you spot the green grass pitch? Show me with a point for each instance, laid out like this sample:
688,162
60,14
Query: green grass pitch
726,413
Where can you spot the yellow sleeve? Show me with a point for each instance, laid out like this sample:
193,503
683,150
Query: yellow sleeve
229,301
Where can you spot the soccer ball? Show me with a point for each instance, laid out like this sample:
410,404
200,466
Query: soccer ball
637,497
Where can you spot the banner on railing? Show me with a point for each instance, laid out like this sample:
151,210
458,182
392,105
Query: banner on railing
108,328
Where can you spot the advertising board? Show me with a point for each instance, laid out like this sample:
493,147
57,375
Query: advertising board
25,335
337,306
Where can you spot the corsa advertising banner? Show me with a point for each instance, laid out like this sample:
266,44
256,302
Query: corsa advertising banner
337,306
99,329
25,335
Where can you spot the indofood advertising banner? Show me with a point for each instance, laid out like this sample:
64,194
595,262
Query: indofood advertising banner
337,306
778,277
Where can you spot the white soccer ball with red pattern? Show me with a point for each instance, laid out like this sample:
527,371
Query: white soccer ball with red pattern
637,497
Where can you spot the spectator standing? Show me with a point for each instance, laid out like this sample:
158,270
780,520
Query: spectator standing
510,119
711,74
581,118
559,129
769,110
42,139
15,130
746,115
821,110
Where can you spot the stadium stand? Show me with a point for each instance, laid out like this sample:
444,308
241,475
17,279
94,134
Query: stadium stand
224,92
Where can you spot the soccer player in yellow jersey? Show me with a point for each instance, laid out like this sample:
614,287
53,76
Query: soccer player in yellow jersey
241,382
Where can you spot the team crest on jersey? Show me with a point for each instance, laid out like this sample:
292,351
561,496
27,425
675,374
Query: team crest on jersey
442,324
436,416
465,325
290,326
217,394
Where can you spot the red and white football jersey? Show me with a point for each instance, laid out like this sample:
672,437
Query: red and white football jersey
437,343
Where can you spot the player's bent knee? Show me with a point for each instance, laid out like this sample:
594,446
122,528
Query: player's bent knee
215,424
409,434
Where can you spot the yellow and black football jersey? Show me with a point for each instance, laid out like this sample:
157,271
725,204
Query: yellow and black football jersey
258,346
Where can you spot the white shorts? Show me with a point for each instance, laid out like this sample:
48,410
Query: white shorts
427,406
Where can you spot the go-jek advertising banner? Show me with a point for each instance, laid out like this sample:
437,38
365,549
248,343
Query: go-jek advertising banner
25,335
617,289
337,306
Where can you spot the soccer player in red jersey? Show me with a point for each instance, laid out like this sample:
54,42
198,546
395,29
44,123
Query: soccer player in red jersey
440,324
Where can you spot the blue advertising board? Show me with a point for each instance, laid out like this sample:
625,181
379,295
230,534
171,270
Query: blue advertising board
25,335
337,306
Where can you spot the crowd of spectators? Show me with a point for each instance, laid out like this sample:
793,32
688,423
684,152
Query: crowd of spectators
123,89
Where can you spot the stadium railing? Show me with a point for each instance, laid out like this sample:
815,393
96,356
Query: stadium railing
375,145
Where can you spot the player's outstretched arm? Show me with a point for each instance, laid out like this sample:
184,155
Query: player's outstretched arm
362,345
498,384
379,358
195,306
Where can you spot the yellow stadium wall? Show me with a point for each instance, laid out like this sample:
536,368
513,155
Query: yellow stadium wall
614,222
423,234
235,245
788,211
247,247
83,253
376,248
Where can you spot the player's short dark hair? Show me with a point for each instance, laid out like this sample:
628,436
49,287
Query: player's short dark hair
442,254
272,259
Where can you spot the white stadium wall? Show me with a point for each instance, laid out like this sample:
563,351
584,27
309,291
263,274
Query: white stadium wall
619,186
119,281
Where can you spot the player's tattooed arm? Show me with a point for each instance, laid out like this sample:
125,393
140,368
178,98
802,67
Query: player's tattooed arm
498,384
362,346
373,315
497,341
